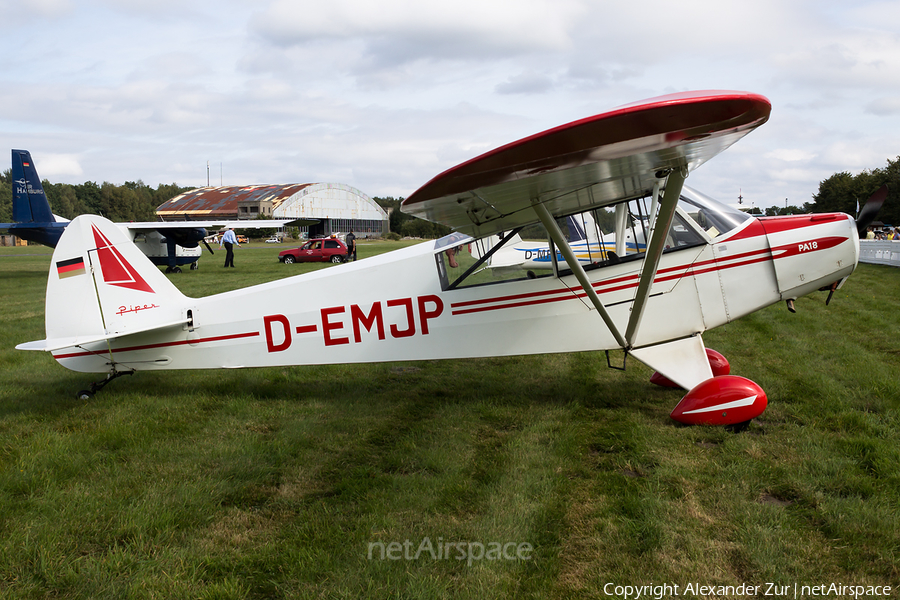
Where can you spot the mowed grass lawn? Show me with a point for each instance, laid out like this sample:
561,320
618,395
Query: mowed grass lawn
530,477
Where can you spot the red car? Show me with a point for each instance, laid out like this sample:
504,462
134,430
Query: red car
323,250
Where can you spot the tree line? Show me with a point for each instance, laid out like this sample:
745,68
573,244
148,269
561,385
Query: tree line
842,192
847,193
133,201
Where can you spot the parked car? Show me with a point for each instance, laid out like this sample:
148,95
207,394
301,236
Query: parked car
320,250
273,240
243,239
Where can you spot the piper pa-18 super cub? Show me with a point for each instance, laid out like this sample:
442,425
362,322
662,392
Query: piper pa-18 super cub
110,311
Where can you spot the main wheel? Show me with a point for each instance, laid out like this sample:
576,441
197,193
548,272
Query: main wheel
723,400
84,395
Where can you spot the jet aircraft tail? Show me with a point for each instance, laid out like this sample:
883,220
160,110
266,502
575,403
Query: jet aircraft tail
101,287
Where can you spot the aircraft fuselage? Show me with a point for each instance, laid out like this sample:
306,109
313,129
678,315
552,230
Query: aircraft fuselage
398,307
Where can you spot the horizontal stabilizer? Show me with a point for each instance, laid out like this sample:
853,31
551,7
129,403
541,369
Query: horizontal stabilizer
51,345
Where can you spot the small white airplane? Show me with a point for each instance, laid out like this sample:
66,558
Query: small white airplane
583,234
170,244
110,311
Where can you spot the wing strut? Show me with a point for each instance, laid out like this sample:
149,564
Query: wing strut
662,223
572,261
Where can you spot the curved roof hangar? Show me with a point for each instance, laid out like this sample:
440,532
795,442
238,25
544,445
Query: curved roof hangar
305,200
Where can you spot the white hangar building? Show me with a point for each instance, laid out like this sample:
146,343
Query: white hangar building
337,207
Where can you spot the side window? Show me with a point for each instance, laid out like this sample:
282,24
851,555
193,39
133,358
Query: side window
598,238
463,261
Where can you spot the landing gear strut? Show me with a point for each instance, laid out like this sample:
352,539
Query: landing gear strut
99,385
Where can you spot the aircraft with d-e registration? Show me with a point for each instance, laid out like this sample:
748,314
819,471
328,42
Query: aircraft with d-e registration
701,265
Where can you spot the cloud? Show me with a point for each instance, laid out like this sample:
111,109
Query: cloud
44,9
56,167
791,155
884,107
525,83
399,31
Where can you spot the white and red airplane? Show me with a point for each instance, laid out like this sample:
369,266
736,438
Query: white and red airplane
109,310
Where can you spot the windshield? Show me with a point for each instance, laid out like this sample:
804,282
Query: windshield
712,216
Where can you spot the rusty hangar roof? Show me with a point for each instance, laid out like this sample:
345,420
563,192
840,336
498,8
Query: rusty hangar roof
222,202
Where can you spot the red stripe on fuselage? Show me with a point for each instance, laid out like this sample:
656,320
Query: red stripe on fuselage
219,338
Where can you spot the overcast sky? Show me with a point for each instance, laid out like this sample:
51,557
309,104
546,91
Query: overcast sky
383,95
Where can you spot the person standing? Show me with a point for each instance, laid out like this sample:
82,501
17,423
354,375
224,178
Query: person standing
351,246
229,240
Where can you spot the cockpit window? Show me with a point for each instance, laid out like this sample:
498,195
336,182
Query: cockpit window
713,217
598,238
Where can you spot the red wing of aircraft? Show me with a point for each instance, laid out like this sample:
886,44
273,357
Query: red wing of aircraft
700,265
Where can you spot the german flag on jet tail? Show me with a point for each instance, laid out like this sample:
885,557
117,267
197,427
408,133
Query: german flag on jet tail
70,268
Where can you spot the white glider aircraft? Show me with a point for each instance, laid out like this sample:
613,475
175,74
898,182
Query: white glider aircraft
109,310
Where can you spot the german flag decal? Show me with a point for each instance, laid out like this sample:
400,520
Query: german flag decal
70,268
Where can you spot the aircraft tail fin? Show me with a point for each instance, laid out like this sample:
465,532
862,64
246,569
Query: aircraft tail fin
575,229
33,219
506,256
101,287
30,203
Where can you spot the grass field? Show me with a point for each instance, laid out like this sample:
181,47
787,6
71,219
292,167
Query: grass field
531,477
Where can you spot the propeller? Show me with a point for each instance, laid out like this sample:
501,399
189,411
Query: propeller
205,243
870,210
866,216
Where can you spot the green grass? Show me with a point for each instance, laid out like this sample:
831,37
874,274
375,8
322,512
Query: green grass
278,483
